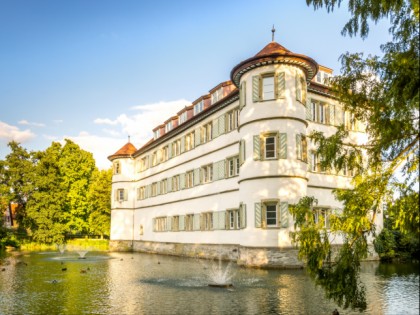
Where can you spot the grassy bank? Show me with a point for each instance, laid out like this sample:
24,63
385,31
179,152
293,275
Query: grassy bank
74,244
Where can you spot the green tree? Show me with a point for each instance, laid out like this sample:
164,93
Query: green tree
76,167
383,93
100,203
45,208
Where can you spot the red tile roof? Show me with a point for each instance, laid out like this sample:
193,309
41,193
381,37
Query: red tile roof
126,151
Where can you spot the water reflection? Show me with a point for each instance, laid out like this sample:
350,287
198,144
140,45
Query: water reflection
125,283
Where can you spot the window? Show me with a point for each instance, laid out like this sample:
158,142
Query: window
217,96
316,163
154,189
270,147
156,134
165,153
232,120
163,186
207,221
121,194
189,141
175,223
271,214
206,132
175,183
160,224
183,117
321,112
322,216
301,148
233,166
267,92
141,193
176,147
198,108
144,163
154,158
233,219
117,168
207,173
319,77
168,127
349,121
189,222
189,179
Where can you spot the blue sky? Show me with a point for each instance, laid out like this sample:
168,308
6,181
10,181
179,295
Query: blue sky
96,71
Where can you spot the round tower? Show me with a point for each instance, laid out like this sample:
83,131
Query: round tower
273,173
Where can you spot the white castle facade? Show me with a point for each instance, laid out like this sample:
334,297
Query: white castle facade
219,176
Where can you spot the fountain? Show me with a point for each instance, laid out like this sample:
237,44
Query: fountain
82,254
219,276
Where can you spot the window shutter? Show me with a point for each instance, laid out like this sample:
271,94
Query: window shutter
219,220
221,169
281,84
327,114
169,223
182,222
257,148
182,181
258,216
284,214
339,115
116,195
310,163
158,189
182,144
332,114
125,194
169,185
196,176
197,135
154,224
242,95
222,124
297,87
241,152
256,88
215,130
299,146
215,171
309,110
283,146
196,222
242,215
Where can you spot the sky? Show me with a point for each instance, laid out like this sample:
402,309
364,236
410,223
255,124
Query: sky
98,71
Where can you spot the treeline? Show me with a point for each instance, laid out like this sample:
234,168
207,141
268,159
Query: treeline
59,192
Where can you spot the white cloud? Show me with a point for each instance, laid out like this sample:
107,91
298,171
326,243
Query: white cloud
13,133
58,121
25,122
105,121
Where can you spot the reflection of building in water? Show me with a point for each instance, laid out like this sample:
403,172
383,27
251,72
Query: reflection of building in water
225,169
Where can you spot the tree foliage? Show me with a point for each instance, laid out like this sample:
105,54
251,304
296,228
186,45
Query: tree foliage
59,191
383,93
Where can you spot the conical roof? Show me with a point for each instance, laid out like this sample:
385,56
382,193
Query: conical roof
126,151
274,53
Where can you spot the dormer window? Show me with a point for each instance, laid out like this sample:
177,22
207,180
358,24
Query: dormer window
183,117
198,108
168,127
216,96
319,77
156,134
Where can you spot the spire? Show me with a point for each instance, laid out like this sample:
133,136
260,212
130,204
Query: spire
128,138
273,30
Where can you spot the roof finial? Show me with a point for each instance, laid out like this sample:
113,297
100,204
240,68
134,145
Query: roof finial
273,30
128,138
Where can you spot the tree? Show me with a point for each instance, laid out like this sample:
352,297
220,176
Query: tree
100,203
383,93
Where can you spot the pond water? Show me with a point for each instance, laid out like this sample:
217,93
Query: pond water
135,283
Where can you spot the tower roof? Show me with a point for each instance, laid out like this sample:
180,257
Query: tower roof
126,151
274,53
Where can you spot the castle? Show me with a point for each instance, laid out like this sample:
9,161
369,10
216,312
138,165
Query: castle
219,176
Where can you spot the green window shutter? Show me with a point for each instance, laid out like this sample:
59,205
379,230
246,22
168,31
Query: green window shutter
197,136
215,130
125,194
221,169
299,146
242,215
182,222
298,91
170,151
256,88
182,181
154,224
169,185
281,84
168,223
222,220
215,171
310,163
242,95
327,114
196,176
216,220
241,152
196,222
257,148
283,146
308,110
339,115
284,214
182,144
332,114
258,215
158,188
222,124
